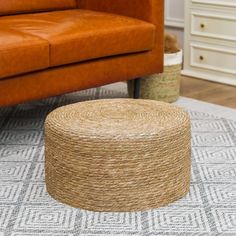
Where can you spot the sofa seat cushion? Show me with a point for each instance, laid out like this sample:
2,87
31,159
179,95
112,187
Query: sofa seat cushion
79,35
21,53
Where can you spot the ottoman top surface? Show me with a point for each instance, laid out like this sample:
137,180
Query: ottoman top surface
117,118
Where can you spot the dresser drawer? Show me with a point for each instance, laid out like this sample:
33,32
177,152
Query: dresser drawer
213,25
213,58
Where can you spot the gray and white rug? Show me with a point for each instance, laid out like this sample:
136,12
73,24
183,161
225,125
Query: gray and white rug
27,210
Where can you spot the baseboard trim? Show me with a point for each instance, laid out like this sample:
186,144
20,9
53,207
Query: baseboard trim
209,77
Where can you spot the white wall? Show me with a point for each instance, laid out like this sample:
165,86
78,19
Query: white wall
174,18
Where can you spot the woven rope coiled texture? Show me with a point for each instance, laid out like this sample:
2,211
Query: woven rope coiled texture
117,154
163,87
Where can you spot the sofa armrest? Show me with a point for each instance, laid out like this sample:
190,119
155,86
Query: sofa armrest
147,10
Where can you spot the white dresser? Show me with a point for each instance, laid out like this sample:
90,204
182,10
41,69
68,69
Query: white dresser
210,40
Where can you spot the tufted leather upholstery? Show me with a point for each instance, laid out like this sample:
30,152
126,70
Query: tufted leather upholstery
8,7
50,53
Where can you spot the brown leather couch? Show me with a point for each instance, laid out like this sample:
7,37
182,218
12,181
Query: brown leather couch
50,47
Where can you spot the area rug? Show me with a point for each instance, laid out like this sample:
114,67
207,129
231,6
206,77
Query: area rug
27,210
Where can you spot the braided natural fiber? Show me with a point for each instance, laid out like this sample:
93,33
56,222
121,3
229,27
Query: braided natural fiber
161,87
117,154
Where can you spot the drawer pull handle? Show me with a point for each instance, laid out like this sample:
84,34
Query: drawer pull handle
202,25
201,58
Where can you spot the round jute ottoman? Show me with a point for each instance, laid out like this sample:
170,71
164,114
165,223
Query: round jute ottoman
117,154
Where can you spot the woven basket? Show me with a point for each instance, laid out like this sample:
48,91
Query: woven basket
162,87
118,154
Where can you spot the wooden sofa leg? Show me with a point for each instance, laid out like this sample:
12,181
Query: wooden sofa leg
137,82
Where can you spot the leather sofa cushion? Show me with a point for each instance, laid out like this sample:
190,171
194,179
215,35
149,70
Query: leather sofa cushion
78,35
21,52
8,7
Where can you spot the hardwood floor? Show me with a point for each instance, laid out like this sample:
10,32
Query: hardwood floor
211,92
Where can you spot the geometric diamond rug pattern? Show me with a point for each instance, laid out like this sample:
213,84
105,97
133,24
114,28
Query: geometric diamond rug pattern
27,210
